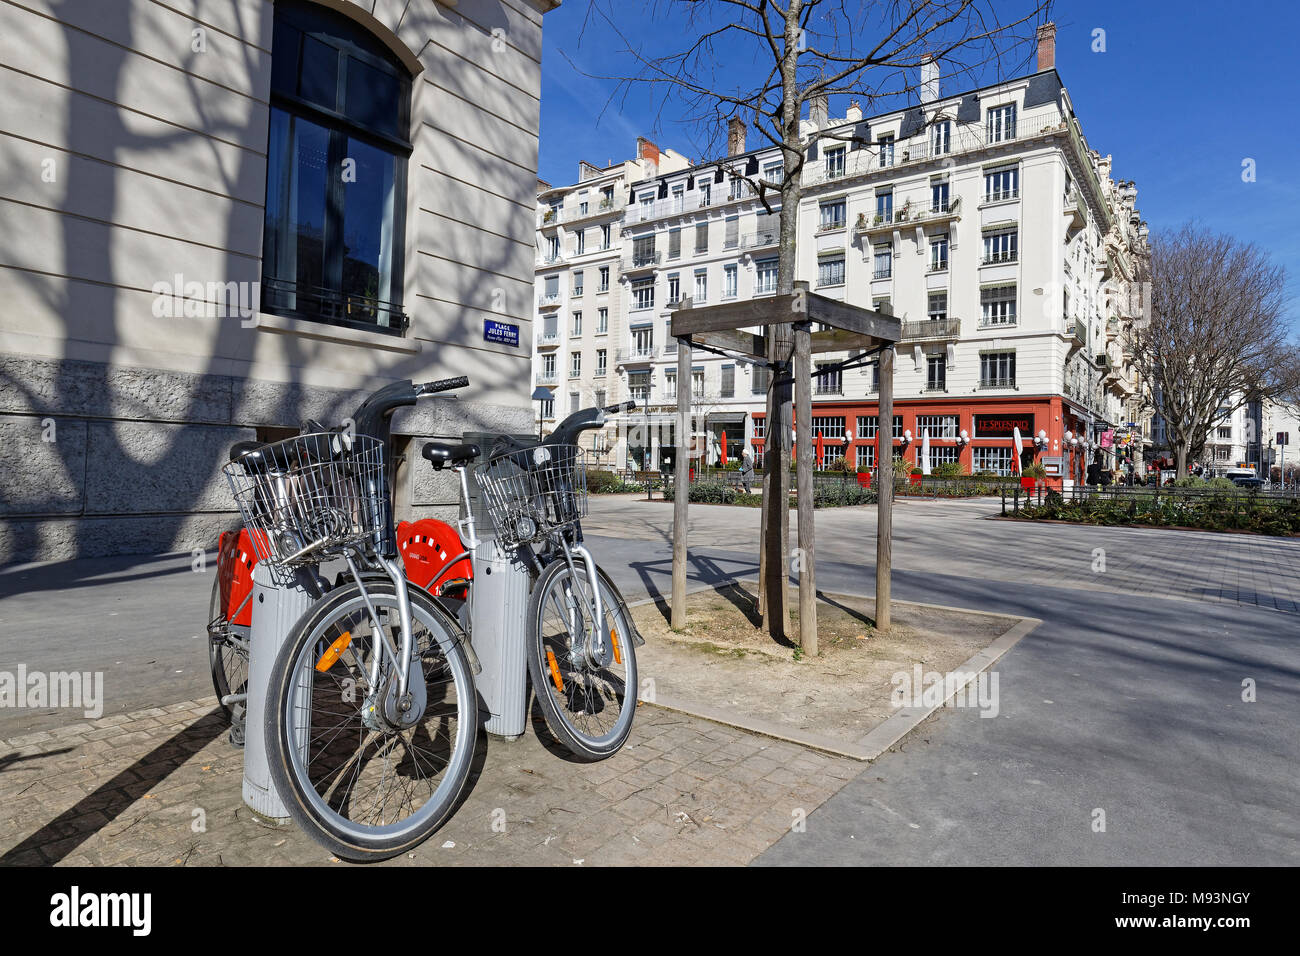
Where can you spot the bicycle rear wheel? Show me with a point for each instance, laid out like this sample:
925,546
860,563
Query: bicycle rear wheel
227,655
588,704
362,788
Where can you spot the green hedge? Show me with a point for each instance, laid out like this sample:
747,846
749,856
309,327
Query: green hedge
1210,512
824,496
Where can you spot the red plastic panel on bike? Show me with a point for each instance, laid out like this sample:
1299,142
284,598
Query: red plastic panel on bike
235,561
426,546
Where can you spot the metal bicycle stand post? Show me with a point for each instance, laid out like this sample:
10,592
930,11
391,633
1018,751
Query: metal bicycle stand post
277,608
500,606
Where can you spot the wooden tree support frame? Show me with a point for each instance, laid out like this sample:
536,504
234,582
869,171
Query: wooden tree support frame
792,328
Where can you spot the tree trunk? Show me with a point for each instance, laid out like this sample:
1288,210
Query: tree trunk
804,478
774,563
1180,455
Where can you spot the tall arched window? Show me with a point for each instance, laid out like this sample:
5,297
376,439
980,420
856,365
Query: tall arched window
336,172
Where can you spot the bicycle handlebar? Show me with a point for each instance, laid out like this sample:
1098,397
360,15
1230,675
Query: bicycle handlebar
442,385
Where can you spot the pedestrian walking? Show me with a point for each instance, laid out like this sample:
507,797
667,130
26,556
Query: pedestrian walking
1094,471
746,470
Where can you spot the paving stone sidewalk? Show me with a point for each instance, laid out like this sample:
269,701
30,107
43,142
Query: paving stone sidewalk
162,787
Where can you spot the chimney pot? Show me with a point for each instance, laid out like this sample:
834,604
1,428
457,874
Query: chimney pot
648,153
735,136
818,111
929,78
1047,47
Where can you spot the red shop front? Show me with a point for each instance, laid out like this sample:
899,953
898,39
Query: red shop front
848,429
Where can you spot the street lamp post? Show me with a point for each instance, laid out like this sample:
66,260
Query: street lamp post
645,455
540,395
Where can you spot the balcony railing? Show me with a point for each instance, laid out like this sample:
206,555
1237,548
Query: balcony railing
605,207
551,217
761,240
999,258
635,354
548,378
545,339
548,300
997,322
675,206
935,211
644,260
998,382
931,329
1078,330
919,149
550,258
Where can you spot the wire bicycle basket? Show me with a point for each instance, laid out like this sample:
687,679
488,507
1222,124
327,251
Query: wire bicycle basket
311,497
534,492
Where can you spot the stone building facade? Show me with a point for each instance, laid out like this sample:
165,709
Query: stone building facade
982,219
222,219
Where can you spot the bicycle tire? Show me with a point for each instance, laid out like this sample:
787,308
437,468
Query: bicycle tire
559,705
345,838
224,658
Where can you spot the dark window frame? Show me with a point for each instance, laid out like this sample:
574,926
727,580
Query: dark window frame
331,304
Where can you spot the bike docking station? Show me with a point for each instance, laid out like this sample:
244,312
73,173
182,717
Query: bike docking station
279,602
499,606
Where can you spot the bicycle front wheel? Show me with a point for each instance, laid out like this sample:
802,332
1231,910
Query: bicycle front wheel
363,788
587,696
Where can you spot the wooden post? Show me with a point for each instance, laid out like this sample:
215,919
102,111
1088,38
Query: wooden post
804,478
776,491
885,489
681,485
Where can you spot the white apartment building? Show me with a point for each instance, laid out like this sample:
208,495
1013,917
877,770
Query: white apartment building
982,219
579,324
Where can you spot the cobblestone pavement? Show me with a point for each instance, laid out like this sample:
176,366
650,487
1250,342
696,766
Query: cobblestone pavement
955,537
162,787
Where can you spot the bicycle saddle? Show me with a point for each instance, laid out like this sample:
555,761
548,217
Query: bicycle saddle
441,455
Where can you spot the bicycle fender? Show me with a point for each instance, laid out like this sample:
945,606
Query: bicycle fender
462,638
637,639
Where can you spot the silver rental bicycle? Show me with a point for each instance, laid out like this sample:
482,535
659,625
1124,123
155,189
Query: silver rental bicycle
580,639
371,715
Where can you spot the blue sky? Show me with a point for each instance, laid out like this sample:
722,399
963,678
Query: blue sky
1182,95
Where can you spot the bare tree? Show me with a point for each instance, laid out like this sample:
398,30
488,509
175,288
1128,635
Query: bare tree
1215,335
761,61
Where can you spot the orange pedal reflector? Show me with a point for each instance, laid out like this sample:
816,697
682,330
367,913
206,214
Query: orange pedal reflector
613,637
555,670
334,652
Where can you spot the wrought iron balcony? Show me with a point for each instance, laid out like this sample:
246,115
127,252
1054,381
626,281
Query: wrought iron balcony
924,329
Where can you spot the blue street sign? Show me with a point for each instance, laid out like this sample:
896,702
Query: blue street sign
503,332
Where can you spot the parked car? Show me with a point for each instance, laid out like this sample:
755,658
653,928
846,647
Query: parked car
1243,477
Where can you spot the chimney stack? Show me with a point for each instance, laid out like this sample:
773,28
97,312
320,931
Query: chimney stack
818,111
735,136
648,153
929,78
854,114
1047,47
